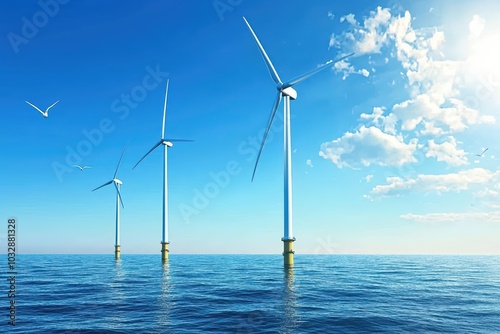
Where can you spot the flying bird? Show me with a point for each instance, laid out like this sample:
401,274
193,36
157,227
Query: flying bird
480,155
44,113
81,168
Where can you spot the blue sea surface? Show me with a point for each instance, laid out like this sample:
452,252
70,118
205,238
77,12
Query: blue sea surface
254,294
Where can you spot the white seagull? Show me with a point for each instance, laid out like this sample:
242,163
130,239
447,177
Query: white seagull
480,155
46,113
81,168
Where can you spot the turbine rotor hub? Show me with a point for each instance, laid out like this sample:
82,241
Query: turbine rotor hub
117,181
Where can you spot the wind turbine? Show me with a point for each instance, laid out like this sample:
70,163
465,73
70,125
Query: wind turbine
285,91
119,201
166,143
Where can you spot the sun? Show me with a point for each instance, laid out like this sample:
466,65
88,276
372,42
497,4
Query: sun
483,60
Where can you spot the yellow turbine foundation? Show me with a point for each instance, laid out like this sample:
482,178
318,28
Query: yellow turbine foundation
164,251
288,252
117,252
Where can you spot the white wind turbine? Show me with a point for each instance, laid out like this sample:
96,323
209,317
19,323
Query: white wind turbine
286,92
119,201
166,143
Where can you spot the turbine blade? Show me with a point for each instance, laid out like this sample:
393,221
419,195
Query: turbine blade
119,194
119,161
269,123
164,112
174,140
151,150
270,67
52,105
313,72
105,184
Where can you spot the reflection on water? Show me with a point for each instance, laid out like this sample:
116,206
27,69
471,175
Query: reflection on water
289,302
165,297
118,269
116,286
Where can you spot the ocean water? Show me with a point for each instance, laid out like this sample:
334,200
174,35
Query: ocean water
254,294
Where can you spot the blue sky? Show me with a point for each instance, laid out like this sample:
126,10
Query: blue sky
384,144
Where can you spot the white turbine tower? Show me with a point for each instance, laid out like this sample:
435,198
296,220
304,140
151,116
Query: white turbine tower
166,143
286,92
119,201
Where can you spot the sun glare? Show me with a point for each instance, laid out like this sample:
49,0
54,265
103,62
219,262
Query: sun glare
484,53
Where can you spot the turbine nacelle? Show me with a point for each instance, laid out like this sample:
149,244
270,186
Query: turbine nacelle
117,181
167,143
289,91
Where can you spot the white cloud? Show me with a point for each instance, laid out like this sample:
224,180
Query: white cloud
454,217
368,37
489,197
488,193
309,163
431,130
330,15
399,27
436,40
434,84
435,103
346,68
332,41
368,178
412,112
373,36
440,183
476,26
446,152
377,19
342,65
428,110
368,146
349,18
387,123
376,116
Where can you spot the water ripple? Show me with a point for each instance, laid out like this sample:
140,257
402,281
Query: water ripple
253,294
